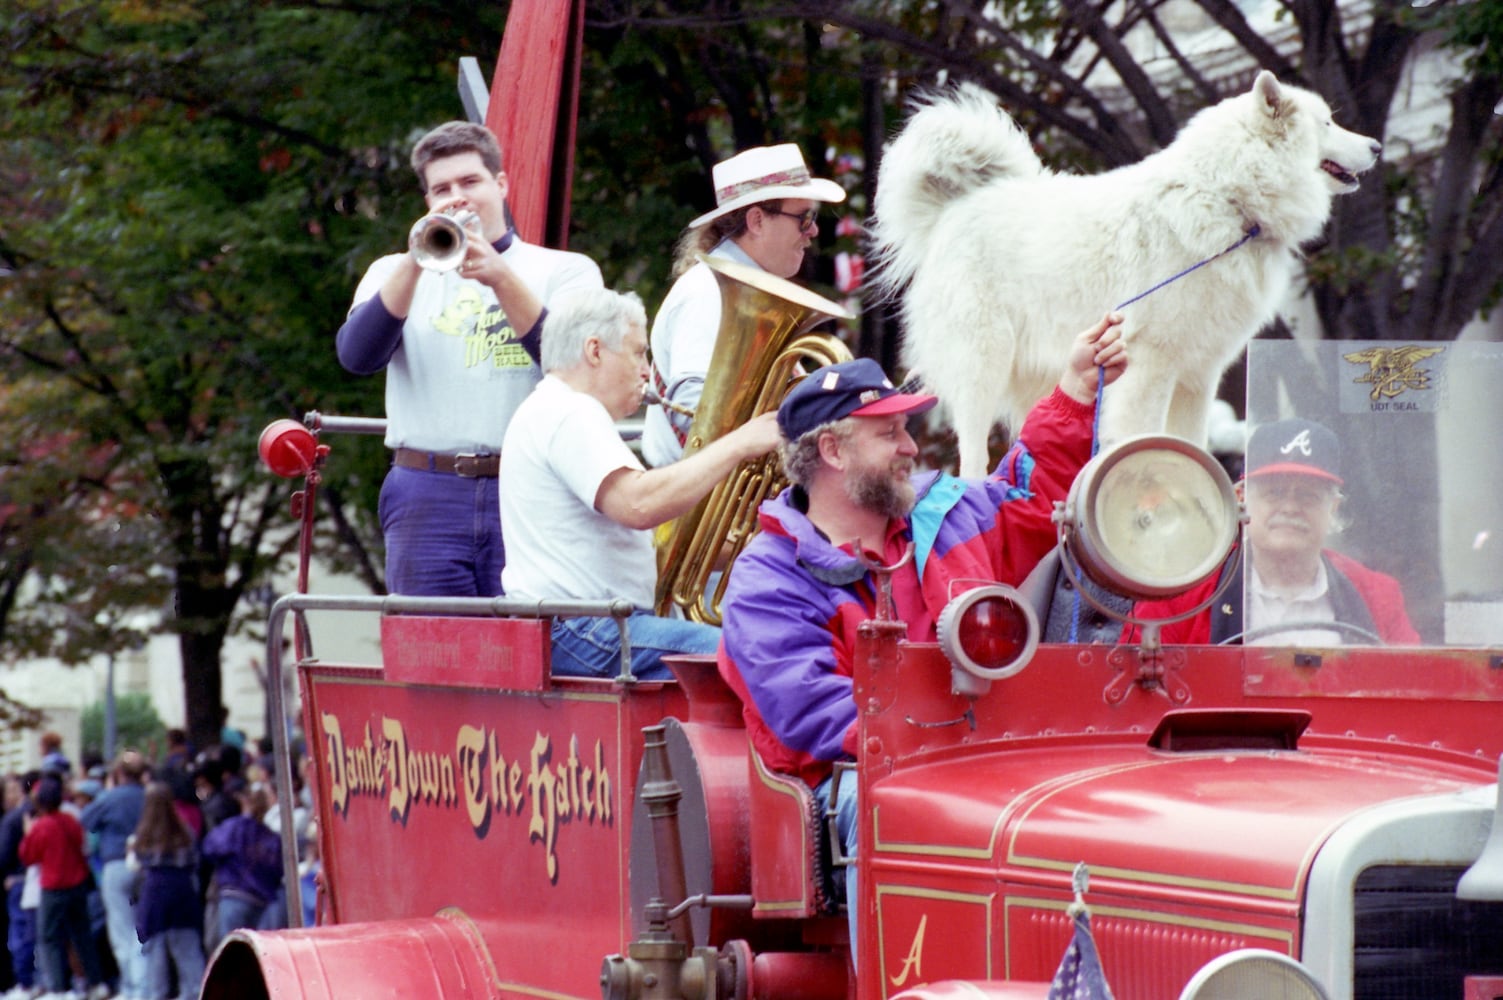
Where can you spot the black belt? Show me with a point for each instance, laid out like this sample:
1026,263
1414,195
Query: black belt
467,466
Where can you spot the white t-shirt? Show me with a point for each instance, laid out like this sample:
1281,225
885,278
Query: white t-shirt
559,448
683,341
459,372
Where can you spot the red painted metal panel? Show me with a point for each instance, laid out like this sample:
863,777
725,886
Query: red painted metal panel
967,990
1484,988
485,653
533,105
512,807
1258,817
1455,674
785,840
441,956
980,808
1435,703
1144,952
483,795
933,929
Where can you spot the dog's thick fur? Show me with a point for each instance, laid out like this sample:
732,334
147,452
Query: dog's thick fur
1001,262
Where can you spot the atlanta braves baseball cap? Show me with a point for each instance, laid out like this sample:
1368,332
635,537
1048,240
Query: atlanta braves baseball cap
850,388
1303,447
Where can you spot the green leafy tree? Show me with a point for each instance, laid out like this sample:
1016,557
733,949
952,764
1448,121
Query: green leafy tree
188,198
670,89
137,725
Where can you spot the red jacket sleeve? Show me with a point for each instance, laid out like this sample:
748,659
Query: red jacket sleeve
1051,449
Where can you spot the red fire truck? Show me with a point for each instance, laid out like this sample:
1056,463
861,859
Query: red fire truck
1285,820
1257,821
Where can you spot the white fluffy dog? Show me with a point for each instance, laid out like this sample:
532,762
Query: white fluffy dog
1001,262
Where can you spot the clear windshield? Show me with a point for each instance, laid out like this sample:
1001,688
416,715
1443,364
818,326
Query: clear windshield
1412,535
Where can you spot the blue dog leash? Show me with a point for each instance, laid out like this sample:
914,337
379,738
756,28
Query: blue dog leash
1251,233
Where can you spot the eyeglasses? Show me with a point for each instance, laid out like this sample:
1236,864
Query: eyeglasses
806,219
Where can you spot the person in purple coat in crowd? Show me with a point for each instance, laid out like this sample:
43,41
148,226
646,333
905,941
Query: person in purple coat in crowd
247,858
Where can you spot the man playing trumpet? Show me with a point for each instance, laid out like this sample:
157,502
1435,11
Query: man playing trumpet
460,351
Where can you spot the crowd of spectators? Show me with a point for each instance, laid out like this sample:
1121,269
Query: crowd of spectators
122,876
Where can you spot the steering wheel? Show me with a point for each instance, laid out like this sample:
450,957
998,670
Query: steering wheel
1364,637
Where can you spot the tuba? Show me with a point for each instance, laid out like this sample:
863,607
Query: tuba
762,350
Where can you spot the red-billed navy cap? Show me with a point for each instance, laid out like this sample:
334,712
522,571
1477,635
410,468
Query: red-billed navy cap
850,388
1300,447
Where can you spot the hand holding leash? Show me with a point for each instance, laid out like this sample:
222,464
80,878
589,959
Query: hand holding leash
1097,358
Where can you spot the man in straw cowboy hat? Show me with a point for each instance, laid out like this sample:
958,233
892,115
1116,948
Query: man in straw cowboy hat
766,206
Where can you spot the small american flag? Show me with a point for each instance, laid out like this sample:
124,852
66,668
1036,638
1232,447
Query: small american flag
1079,976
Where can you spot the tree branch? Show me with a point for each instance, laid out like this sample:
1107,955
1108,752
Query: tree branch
1161,123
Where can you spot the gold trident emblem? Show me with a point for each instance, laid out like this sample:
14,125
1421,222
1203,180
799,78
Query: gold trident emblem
1391,370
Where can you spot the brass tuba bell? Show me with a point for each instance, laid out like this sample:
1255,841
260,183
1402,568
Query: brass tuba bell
762,350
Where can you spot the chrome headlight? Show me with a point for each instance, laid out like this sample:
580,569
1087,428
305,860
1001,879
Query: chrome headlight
1150,518
1253,972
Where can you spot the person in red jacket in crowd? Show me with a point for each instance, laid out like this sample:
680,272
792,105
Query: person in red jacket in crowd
55,841
1292,488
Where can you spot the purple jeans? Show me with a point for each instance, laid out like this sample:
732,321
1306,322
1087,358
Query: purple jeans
443,534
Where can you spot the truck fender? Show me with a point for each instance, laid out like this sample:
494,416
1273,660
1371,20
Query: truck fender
440,956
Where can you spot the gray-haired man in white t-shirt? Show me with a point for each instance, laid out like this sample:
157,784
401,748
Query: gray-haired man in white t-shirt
576,503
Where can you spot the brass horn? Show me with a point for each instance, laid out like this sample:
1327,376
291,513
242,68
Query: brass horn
438,240
762,350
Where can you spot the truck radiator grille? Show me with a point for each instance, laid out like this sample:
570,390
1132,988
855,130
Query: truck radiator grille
1415,939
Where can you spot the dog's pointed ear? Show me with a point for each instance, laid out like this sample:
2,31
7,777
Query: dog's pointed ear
1268,92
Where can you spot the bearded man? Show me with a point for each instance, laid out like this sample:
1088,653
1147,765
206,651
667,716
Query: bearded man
804,584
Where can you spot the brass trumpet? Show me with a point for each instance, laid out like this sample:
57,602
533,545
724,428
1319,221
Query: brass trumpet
762,350
438,239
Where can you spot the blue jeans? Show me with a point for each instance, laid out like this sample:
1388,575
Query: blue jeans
21,936
591,647
63,917
184,948
237,910
308,890
274,917
846,816
114,887
443,534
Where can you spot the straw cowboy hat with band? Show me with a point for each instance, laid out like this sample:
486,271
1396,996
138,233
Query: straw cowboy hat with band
766,173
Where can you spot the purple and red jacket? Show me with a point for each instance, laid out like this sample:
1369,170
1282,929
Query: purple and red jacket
794,600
